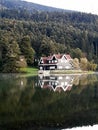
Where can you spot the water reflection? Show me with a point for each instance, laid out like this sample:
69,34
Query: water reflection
57,83
65,82
35,102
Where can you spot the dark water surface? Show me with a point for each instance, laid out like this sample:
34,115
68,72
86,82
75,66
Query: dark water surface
48,102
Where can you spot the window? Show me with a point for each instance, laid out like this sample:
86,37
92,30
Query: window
41,68
52,67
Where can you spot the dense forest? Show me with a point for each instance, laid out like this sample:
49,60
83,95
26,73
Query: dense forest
35,33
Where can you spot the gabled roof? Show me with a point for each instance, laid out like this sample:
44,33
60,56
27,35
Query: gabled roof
68,57
57,56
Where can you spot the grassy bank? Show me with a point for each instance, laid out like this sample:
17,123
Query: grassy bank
34,71
29,71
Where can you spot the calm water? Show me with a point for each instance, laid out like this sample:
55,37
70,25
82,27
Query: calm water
48,102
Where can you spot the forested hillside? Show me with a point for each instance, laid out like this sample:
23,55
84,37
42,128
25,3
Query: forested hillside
31,7
37,33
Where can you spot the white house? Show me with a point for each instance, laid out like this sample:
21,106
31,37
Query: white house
56,61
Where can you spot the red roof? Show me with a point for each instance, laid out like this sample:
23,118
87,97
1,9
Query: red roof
57,56
44,59
49,57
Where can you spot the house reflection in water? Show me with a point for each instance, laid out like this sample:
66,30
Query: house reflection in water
57,83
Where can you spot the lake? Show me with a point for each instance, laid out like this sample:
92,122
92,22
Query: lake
52,102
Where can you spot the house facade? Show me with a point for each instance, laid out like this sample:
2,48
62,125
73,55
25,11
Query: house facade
56,61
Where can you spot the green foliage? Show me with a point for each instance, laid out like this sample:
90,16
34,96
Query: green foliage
36,34
76,53
9,66
27,50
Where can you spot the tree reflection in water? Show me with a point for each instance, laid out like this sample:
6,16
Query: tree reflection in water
56,101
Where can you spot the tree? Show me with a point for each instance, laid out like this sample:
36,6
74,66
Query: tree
47,47
92,66
27,49
76,63
11,57
76,53
84,63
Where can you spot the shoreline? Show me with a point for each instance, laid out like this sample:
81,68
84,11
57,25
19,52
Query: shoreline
64,72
